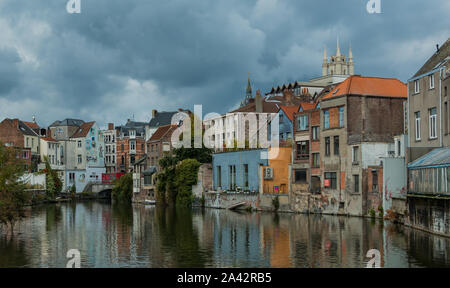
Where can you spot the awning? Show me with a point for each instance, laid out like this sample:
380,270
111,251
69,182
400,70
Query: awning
150,171
439,157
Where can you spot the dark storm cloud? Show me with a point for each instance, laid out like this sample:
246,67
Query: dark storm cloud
123,58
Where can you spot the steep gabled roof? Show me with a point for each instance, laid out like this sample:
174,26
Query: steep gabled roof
32,125
162,132
162,118
290,110
83,130
308,106
435,59
25,129
68,122
369,86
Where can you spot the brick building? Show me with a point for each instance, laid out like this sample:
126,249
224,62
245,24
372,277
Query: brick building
15,133
159,143
359,119
130,145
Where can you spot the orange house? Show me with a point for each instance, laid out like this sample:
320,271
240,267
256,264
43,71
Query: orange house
275,178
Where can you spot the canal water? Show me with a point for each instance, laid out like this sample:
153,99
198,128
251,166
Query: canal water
110,235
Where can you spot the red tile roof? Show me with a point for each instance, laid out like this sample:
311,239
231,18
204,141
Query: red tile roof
162,131
290,110
369,86
32,125
308,106
83,130
48,139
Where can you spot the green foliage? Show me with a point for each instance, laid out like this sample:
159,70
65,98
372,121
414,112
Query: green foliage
54,184
380,211
186,176
372,213
73,190
13,197
276,203
123,188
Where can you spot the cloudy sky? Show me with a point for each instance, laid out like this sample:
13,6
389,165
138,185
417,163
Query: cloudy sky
122,58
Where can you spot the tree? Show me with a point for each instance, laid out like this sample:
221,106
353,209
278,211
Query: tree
186,177
54,184
123,188
12,190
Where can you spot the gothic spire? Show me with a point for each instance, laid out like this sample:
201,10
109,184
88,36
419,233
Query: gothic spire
350,53
338,48
249,93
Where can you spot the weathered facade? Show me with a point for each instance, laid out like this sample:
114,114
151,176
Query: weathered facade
359,119
110,136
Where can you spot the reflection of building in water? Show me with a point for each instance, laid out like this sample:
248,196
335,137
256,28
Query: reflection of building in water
236,241
276,239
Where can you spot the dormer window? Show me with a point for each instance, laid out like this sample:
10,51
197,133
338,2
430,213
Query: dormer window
132,133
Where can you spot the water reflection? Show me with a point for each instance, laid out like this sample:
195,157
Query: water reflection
110,235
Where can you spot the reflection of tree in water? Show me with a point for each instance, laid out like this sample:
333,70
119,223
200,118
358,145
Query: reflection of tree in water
123,213
13,252
53,215
178,235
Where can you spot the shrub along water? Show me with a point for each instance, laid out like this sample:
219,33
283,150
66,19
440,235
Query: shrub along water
123,188
13,197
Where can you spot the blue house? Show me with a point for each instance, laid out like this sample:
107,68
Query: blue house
286,116
238,169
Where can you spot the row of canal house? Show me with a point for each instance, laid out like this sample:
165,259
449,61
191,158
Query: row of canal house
334,147
429,137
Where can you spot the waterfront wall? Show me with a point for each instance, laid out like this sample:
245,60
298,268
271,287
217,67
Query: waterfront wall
432,215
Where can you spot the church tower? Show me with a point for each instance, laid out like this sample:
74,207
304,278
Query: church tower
338,64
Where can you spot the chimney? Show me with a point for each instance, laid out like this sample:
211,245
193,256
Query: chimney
437,48
258,102
287,95
154,112
34,119
110,126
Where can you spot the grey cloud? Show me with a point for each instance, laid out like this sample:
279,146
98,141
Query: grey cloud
177,53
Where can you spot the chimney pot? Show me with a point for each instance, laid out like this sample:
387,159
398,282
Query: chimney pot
154,112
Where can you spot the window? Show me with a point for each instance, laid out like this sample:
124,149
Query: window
315,160
281,118
123,160
302,122
374,181
326,119
399,148
336,145
246,175
315,133
330,180
341,117
122,147
355,154
302,150
79,144
445,91
142,147
132,133
80,159
132,145
232,170
219,176
300,176
431,79
356,183
327,146
416,86
417,123
28,142
25,155
432,112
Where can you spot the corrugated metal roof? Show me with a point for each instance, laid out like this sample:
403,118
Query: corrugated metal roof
437,157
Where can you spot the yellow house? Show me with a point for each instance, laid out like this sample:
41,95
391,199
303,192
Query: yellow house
275,178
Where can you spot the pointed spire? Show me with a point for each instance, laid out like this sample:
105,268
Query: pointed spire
338,48
350,53
325,54
249,93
